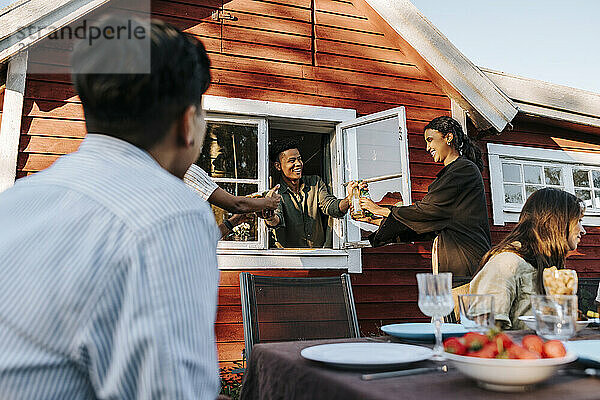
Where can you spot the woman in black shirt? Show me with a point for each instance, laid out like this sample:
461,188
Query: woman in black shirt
453,210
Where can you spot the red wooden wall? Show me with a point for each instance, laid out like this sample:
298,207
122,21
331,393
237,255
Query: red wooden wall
284,51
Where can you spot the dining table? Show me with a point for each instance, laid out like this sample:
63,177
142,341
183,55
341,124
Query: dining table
278,371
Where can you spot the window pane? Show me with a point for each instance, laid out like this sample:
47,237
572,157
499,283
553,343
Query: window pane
511,172
512,194
230,151
580,178
248,234
532,174
597,199
553,175
584,195
596,178
530,189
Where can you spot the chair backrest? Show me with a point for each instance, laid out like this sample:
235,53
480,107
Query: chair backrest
586,292
276,309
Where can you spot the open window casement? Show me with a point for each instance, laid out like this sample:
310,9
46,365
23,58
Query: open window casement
374,146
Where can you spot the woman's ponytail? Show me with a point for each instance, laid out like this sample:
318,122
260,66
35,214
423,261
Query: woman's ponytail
460,140
470,150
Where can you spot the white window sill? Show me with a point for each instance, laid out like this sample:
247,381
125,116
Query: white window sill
290,259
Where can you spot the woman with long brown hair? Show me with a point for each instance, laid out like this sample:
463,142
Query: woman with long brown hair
453,213
549,227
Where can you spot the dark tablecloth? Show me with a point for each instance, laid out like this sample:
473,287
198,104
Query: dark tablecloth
278,371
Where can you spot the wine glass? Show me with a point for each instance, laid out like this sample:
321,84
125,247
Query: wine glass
435,300
555,315
476,311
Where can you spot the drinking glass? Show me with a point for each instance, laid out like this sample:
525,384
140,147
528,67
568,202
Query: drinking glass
476,311
435,300
555,315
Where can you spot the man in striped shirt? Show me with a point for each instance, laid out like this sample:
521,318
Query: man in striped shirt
108,260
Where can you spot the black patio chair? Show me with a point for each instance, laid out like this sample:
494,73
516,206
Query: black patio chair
278,309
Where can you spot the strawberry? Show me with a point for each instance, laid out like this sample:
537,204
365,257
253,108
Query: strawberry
528,355
553,349
517,352
475,341
454,346
489,350
533,343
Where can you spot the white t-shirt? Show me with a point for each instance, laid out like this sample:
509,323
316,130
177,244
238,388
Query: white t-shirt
598,295
198,179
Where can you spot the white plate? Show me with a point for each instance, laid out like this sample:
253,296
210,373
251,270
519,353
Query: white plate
508,375
422,330
366,355
530,322
588,351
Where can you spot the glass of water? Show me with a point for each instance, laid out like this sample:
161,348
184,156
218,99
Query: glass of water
476,311
435,300
555,315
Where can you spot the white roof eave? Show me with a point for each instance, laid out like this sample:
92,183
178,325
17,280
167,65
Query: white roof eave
31,21
478,93
549,100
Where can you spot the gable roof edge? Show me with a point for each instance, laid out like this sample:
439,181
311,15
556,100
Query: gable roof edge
38,21
478,94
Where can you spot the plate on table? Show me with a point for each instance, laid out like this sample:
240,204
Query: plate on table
529,320
507,375
588,351
422,330
366,355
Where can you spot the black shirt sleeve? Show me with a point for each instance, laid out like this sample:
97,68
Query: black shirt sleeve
393,231
422,220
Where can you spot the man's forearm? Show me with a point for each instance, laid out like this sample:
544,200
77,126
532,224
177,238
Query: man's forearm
344,205
238,204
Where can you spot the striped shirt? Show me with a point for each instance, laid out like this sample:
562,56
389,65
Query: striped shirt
198,179
109,281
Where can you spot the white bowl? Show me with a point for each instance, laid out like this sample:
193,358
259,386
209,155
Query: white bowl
531,324
508,375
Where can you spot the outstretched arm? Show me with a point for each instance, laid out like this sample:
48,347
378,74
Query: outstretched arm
241,204
369,205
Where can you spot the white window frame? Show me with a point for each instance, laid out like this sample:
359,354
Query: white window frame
341,256
260,181
497,153
314,116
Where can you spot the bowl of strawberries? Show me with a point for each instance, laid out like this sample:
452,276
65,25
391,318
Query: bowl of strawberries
499,363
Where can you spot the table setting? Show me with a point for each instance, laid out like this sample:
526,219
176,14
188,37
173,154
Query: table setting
411,360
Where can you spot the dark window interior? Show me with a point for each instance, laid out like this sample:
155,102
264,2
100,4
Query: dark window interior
312,148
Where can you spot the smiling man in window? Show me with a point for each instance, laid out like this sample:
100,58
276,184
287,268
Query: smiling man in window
305,201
